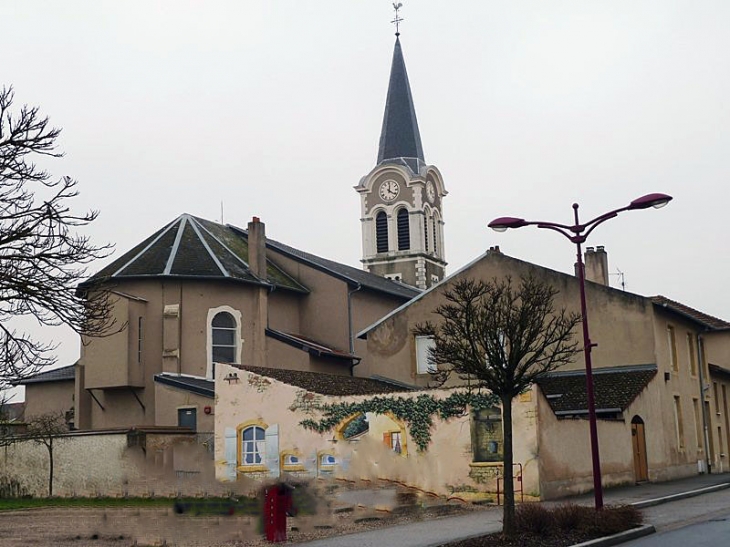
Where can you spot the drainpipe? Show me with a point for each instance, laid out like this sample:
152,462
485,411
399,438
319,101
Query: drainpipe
349,322
703,389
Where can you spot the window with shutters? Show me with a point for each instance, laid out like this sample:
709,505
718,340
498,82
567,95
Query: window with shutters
251,449
404,231
381,232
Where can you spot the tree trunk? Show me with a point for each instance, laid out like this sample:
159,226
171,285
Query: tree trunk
50,468
508,518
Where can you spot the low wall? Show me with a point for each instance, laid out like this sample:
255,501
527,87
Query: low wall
103,464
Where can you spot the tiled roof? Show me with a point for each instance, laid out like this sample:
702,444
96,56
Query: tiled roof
614,388
191,247
343,271
193,384
310,346
705,320
63,374
327,384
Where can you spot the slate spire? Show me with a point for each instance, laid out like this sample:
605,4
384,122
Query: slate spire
399,137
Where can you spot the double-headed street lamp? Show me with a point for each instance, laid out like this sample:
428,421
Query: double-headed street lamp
578,233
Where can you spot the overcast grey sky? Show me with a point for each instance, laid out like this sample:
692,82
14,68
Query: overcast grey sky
274,108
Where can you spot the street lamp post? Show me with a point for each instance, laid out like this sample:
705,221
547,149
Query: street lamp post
578,233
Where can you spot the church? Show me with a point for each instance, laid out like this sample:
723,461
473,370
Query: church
231,332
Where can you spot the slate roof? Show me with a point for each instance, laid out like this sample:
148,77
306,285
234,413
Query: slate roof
708,321
399,137
614,388
327,384
193,384
342,271
310,346
191,247
63,374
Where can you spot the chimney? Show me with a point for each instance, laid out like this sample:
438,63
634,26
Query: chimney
596,264
257,248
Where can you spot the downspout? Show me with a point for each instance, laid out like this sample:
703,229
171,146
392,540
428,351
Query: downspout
349,324
701,368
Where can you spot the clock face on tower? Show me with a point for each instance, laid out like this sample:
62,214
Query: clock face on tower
430,191
389,190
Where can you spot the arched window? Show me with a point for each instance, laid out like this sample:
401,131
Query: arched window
253,446
435,225
381,232
404,231
425,231
224,338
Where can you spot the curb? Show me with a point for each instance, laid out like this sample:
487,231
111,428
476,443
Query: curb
680,496
621,537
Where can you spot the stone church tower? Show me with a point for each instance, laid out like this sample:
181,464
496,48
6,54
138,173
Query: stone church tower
401,198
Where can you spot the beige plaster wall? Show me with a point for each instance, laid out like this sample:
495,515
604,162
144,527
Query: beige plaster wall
170,399
56,397
620,322
443,468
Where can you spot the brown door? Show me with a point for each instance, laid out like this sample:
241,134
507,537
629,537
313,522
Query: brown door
638,441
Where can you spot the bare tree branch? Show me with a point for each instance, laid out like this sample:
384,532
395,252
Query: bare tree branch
42,258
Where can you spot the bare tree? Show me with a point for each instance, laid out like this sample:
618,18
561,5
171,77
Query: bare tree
44,429
501,337
42,257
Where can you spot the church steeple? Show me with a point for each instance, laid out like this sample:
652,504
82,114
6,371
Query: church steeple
399,137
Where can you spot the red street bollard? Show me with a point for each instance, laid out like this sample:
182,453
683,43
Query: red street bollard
277,504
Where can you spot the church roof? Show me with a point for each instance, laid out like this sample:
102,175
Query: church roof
347,273
400,137
192,247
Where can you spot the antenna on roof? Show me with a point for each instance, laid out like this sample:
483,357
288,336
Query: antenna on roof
397,21
221,211
622,278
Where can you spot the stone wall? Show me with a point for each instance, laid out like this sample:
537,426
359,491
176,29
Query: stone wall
102,464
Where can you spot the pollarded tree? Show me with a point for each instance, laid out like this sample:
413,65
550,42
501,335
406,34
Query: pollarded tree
42,256
501,336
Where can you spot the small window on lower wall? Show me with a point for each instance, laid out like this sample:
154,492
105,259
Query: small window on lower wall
487,438
326,462
291,460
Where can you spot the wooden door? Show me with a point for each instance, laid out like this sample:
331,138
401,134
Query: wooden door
638,441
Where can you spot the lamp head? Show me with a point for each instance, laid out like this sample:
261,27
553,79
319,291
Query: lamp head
650,200
502,223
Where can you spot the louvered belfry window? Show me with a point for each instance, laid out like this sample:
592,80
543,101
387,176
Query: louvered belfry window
425,232
434,223
381,232
404,232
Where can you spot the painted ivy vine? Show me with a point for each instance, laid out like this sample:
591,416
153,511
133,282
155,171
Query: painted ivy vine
416,412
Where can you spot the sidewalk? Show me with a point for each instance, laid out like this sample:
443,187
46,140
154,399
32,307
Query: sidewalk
438,531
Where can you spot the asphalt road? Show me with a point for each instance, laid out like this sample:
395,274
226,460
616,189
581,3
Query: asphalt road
696,522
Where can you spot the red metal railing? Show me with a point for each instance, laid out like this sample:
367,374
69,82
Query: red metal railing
518,478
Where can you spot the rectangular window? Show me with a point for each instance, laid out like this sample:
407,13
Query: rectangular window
717,398
692,354
487,439
678,422
423,344
672,348
698,423
139,339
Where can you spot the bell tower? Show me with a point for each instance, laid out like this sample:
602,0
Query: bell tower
401,197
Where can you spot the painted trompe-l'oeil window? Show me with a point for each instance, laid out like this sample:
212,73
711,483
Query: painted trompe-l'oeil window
487,438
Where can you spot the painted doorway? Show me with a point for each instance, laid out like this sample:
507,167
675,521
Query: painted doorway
187,417
638,442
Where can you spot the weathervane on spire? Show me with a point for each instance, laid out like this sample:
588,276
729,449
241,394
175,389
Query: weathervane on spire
397,20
